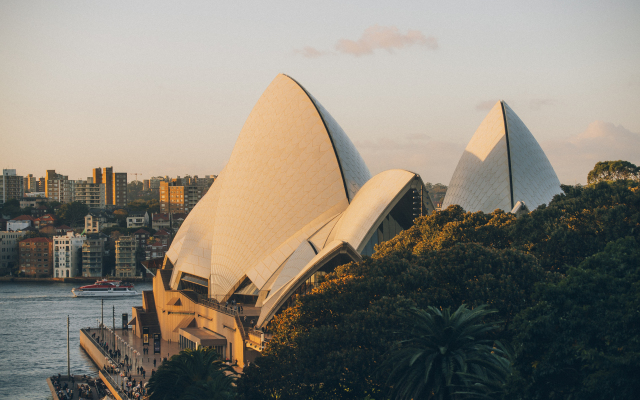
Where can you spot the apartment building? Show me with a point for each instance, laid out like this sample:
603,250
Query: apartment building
58,187
137,219
93,252
30,184
36,257
93,195
41,185
120,189
126,257
171,197
67,255
115,185
11,186
9,250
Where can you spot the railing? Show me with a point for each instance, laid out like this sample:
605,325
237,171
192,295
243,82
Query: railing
201,299
106,374
260,335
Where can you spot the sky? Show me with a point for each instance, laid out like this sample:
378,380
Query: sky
164,87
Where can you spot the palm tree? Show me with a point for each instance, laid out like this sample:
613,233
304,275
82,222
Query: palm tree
445,356
193,375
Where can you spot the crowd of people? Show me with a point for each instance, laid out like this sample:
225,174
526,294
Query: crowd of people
65,390
133,389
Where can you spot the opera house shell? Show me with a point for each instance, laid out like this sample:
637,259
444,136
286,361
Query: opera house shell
502,165
294,201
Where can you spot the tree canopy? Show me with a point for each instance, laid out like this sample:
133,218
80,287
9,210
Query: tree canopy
330,343
193,375
72,213
613,170
445,356
582,338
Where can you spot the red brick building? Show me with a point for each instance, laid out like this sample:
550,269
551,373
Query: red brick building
36,257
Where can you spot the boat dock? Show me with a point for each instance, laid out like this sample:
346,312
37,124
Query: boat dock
83,387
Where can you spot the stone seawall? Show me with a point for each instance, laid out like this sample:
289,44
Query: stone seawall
69,280
98,357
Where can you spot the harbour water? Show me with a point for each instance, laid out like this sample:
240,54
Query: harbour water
33,333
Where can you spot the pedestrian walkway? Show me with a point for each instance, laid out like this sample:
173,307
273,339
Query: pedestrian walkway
127,348
122,356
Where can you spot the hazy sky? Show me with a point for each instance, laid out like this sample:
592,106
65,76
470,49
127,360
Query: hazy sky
164,88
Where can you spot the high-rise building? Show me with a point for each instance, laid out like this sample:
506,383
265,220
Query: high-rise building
97,175
107,179
126,257
67,255
192,195
91,194
58,187
93,254
115,185
36,257
40,185
9,250
11,186
178,197
30,184
120,189
171,198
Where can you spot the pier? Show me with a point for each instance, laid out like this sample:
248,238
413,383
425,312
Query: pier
98,341
83,387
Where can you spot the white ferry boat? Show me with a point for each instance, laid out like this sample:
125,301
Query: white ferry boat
105,288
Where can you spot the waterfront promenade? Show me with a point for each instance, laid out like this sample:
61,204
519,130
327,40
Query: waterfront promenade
130,346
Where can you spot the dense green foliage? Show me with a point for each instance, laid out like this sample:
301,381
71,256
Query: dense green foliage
193,375
446,356
142,205
582,339
331,343
72,213
613,170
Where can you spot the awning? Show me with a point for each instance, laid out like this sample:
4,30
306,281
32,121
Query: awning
203,337
132,322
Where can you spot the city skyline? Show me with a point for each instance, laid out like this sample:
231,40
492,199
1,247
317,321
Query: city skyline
164,89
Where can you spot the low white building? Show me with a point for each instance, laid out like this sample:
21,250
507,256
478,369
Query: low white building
138,220
67,255
20,223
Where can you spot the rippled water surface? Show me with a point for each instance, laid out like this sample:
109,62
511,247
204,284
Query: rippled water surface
33,333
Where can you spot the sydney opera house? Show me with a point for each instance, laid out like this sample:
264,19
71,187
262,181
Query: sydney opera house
296,200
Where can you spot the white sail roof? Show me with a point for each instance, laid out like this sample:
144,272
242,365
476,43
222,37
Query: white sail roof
291,169
502,164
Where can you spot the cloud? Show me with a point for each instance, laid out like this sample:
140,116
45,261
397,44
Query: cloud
310,52
486,105
575,156
375,37
434,160
384,37
536,104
